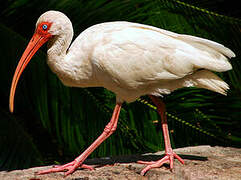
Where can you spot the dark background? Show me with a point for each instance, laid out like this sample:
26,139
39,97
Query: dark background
53,124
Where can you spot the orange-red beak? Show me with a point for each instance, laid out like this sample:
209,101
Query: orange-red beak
35,43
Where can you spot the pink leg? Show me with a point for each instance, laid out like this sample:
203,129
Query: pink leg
170,155
78,162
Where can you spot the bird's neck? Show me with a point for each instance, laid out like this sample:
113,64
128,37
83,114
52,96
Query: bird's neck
57,47
57,50
72,70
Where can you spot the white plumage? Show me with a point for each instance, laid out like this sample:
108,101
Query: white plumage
130,60
133,59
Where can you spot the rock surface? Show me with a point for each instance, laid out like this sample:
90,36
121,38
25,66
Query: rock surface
201,163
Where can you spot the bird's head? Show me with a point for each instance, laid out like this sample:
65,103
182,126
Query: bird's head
49,25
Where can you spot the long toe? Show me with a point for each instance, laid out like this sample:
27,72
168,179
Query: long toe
69,168
146,162
155,164
178,158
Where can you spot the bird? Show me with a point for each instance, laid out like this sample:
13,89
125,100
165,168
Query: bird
129,59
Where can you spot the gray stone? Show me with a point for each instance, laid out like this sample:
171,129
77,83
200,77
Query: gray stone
201,163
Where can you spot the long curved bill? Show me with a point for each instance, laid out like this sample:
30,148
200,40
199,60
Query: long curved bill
35,43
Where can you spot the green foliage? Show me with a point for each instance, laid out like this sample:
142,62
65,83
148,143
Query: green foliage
66,120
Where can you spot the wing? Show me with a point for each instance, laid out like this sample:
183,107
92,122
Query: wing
134,54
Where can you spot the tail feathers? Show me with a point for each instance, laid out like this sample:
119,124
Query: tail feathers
210,55
207,80
197,41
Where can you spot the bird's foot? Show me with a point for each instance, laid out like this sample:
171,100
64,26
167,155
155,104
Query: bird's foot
68,168
169,157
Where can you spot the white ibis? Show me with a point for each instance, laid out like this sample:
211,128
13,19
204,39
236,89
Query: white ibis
129,59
